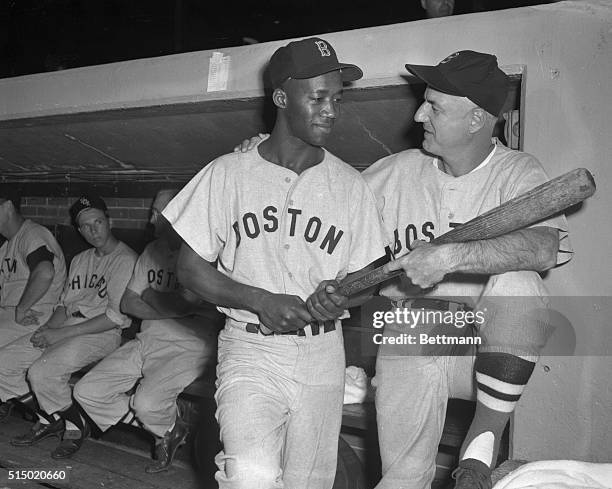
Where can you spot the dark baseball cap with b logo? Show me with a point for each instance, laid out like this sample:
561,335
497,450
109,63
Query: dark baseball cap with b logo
308,58
468,74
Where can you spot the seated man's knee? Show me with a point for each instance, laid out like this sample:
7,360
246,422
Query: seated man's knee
143,403
85,391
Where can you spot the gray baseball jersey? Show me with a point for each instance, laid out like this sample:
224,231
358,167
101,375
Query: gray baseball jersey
14,270
272,228
96,284
419,201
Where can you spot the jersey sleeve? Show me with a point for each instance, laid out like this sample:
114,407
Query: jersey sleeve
197,214
139,280
526,175
119,277
367,236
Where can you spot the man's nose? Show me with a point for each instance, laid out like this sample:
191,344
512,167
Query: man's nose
330,110
421,114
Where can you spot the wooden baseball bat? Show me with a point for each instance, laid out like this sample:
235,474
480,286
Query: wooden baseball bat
529,208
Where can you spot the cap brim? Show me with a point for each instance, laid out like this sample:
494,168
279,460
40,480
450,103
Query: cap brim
432,76
348,72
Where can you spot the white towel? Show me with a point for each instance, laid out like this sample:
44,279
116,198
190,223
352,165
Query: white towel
355,385
558,474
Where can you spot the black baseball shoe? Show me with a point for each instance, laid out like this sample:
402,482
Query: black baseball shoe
167,447
5,410
39,432
71,443
472,474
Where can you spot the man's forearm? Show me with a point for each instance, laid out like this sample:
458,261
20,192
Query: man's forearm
528,249
39,281
207,282
168,304
97,324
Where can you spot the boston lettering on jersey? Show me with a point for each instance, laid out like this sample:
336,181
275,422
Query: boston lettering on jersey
162,277
92,281
252,226
412,232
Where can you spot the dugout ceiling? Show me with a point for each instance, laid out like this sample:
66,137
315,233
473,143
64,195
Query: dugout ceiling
170,143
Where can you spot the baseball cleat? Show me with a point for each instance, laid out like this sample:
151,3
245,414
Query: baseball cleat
39,432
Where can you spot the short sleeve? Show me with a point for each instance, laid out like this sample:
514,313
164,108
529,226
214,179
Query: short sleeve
119,278
197,213
526,175
139,281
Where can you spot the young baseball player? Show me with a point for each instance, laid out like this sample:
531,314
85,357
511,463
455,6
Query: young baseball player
84,327
462,172
178,341
32,274
281,220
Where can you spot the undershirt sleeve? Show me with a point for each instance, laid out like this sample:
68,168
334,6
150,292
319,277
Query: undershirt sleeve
37,256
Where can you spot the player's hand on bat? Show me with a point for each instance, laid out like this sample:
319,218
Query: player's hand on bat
26,317
425,265
283,313
249,144
327,303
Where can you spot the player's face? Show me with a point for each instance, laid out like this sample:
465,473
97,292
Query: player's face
159,222
95,227
445,120
313,105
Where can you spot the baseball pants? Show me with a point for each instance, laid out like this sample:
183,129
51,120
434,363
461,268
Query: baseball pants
16,352
279,407
412,391
49,369
165,358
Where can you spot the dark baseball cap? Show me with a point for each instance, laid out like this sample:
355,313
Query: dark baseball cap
468,74
308,58
86,202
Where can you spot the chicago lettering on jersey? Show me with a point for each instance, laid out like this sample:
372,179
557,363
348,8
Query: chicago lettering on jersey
412,232
90,282
326,237
163,278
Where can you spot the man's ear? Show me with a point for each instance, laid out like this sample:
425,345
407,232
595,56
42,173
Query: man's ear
279,97
478,120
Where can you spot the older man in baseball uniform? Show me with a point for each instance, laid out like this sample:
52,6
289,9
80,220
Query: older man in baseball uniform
32,274
84,327
177,343
460,173
285,221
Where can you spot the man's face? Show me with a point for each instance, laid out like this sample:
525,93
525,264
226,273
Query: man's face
159,222
312,107
94,225
445,120
438,8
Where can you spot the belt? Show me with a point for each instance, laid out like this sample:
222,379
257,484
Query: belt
433,304
314,327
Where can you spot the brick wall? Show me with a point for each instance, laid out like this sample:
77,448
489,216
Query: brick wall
130,213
